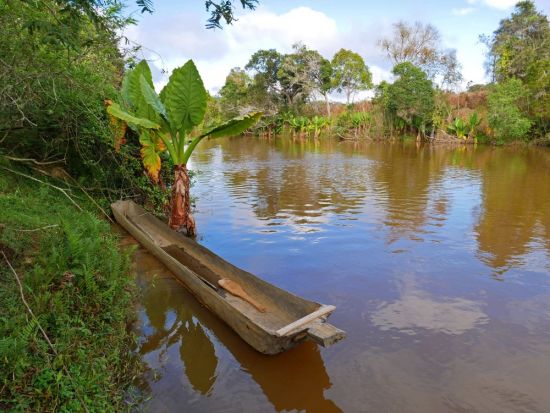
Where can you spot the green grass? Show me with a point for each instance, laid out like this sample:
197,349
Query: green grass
77,283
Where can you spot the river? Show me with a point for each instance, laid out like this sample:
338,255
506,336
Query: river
437,258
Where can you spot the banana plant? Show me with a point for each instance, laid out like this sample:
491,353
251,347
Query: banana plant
473,122
459,128
168,122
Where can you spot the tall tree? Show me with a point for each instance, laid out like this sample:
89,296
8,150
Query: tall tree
323,81
350,73
235,92
519,43
264,65
420,44
302,73
505,116
411,97
520,48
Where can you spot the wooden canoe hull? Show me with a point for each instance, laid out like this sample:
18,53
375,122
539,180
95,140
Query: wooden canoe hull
262,332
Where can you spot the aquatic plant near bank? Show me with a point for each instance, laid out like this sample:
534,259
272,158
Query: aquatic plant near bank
473,123
459,128
168,122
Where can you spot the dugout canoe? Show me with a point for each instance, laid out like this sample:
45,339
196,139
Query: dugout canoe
273,321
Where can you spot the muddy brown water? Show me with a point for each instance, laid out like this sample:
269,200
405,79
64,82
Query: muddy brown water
437,258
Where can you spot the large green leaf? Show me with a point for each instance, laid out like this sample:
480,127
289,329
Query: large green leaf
235,126
132,86
137,100
151,97
125,89
115,110
185,97
232,127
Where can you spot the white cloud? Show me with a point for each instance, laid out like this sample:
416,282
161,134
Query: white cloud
312,27
497,4
463,12
170,40
416,310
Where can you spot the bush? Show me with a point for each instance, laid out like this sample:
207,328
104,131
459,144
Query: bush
505,116
76,282
59,61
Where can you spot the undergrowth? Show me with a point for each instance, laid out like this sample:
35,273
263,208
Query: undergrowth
76,282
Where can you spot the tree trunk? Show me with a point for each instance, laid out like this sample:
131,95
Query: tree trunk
328,105
180,215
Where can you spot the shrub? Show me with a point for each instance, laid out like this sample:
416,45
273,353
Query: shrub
505,116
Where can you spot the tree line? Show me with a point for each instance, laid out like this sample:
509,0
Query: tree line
422,99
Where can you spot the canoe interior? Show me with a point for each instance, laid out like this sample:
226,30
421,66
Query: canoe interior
282,307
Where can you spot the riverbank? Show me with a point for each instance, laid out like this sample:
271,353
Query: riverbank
74,351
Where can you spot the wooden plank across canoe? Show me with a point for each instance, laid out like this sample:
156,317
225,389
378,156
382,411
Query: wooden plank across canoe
268,318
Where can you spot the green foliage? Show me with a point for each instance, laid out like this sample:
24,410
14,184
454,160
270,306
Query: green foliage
185,98
116,111
281,81
265,65
411,97
235,93
219,10
459,128
57,67
520,41
179,108
505,116
473,122
224,10
520,49
232,127
350,73
353,123
76,282
59,61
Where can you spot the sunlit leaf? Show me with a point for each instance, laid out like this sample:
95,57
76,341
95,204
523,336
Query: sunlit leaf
185,97
118,127
151,97
235,126
115,110
232,127
132,85
150,154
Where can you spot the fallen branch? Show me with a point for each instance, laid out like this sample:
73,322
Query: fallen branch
63,190
91,199
77,184
3,226
12,158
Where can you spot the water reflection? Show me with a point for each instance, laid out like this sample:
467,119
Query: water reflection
511,219
171,317
417,310
306,186
167,323
437,259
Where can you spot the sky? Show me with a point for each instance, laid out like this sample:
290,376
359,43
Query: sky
176,32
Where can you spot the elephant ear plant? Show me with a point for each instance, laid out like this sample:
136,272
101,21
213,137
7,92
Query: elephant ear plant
165,122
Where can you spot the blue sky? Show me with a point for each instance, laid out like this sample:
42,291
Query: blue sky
175,32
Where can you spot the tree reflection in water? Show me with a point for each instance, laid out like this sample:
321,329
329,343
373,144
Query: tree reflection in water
294,380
